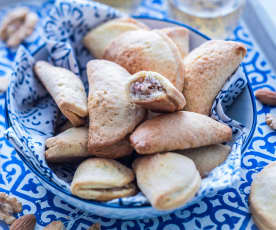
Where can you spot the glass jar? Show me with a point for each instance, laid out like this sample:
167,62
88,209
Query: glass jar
215,18
126,6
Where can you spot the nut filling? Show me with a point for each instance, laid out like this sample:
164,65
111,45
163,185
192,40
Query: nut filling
8,206
145,88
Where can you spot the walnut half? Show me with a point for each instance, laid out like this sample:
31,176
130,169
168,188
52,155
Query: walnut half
17,25
8,206
271,121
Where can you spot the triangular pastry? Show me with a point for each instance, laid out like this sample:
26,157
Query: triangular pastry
66,89
143,50
177,131
97,39
206,70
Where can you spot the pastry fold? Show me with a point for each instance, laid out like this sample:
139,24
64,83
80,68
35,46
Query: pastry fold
206,70
66,89
111,115
143,50
153,91
103,180
97,39
208,157
168,180
68,145
177,131
180,37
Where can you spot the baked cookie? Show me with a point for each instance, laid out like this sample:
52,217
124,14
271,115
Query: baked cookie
262,198
168,180
68,145
66,89
177,131
143,50
153,91
103,180
97,39
180,37
111,115
206,70
72,144
208,157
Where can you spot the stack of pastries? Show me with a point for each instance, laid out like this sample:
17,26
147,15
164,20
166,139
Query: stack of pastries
149,95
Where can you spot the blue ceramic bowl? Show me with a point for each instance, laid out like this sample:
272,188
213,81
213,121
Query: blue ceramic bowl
32,114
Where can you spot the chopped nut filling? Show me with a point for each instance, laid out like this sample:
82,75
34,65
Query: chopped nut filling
146,87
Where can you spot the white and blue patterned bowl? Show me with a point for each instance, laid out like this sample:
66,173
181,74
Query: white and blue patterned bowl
33,114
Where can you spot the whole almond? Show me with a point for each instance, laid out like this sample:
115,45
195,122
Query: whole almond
26,222
55,225
271,121
266,96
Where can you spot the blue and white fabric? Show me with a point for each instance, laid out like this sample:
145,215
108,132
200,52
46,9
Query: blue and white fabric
226,208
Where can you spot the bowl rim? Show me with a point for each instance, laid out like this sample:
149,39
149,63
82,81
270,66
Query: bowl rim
110,205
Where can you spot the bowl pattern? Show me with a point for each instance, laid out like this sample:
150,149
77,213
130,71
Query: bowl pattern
33,114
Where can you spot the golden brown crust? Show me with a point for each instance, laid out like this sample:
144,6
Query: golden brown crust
102,179
168,180
180,37
100,37
68,145
163,98
207,158
66,89
176,131
206,69
262,198
111,115
149,51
